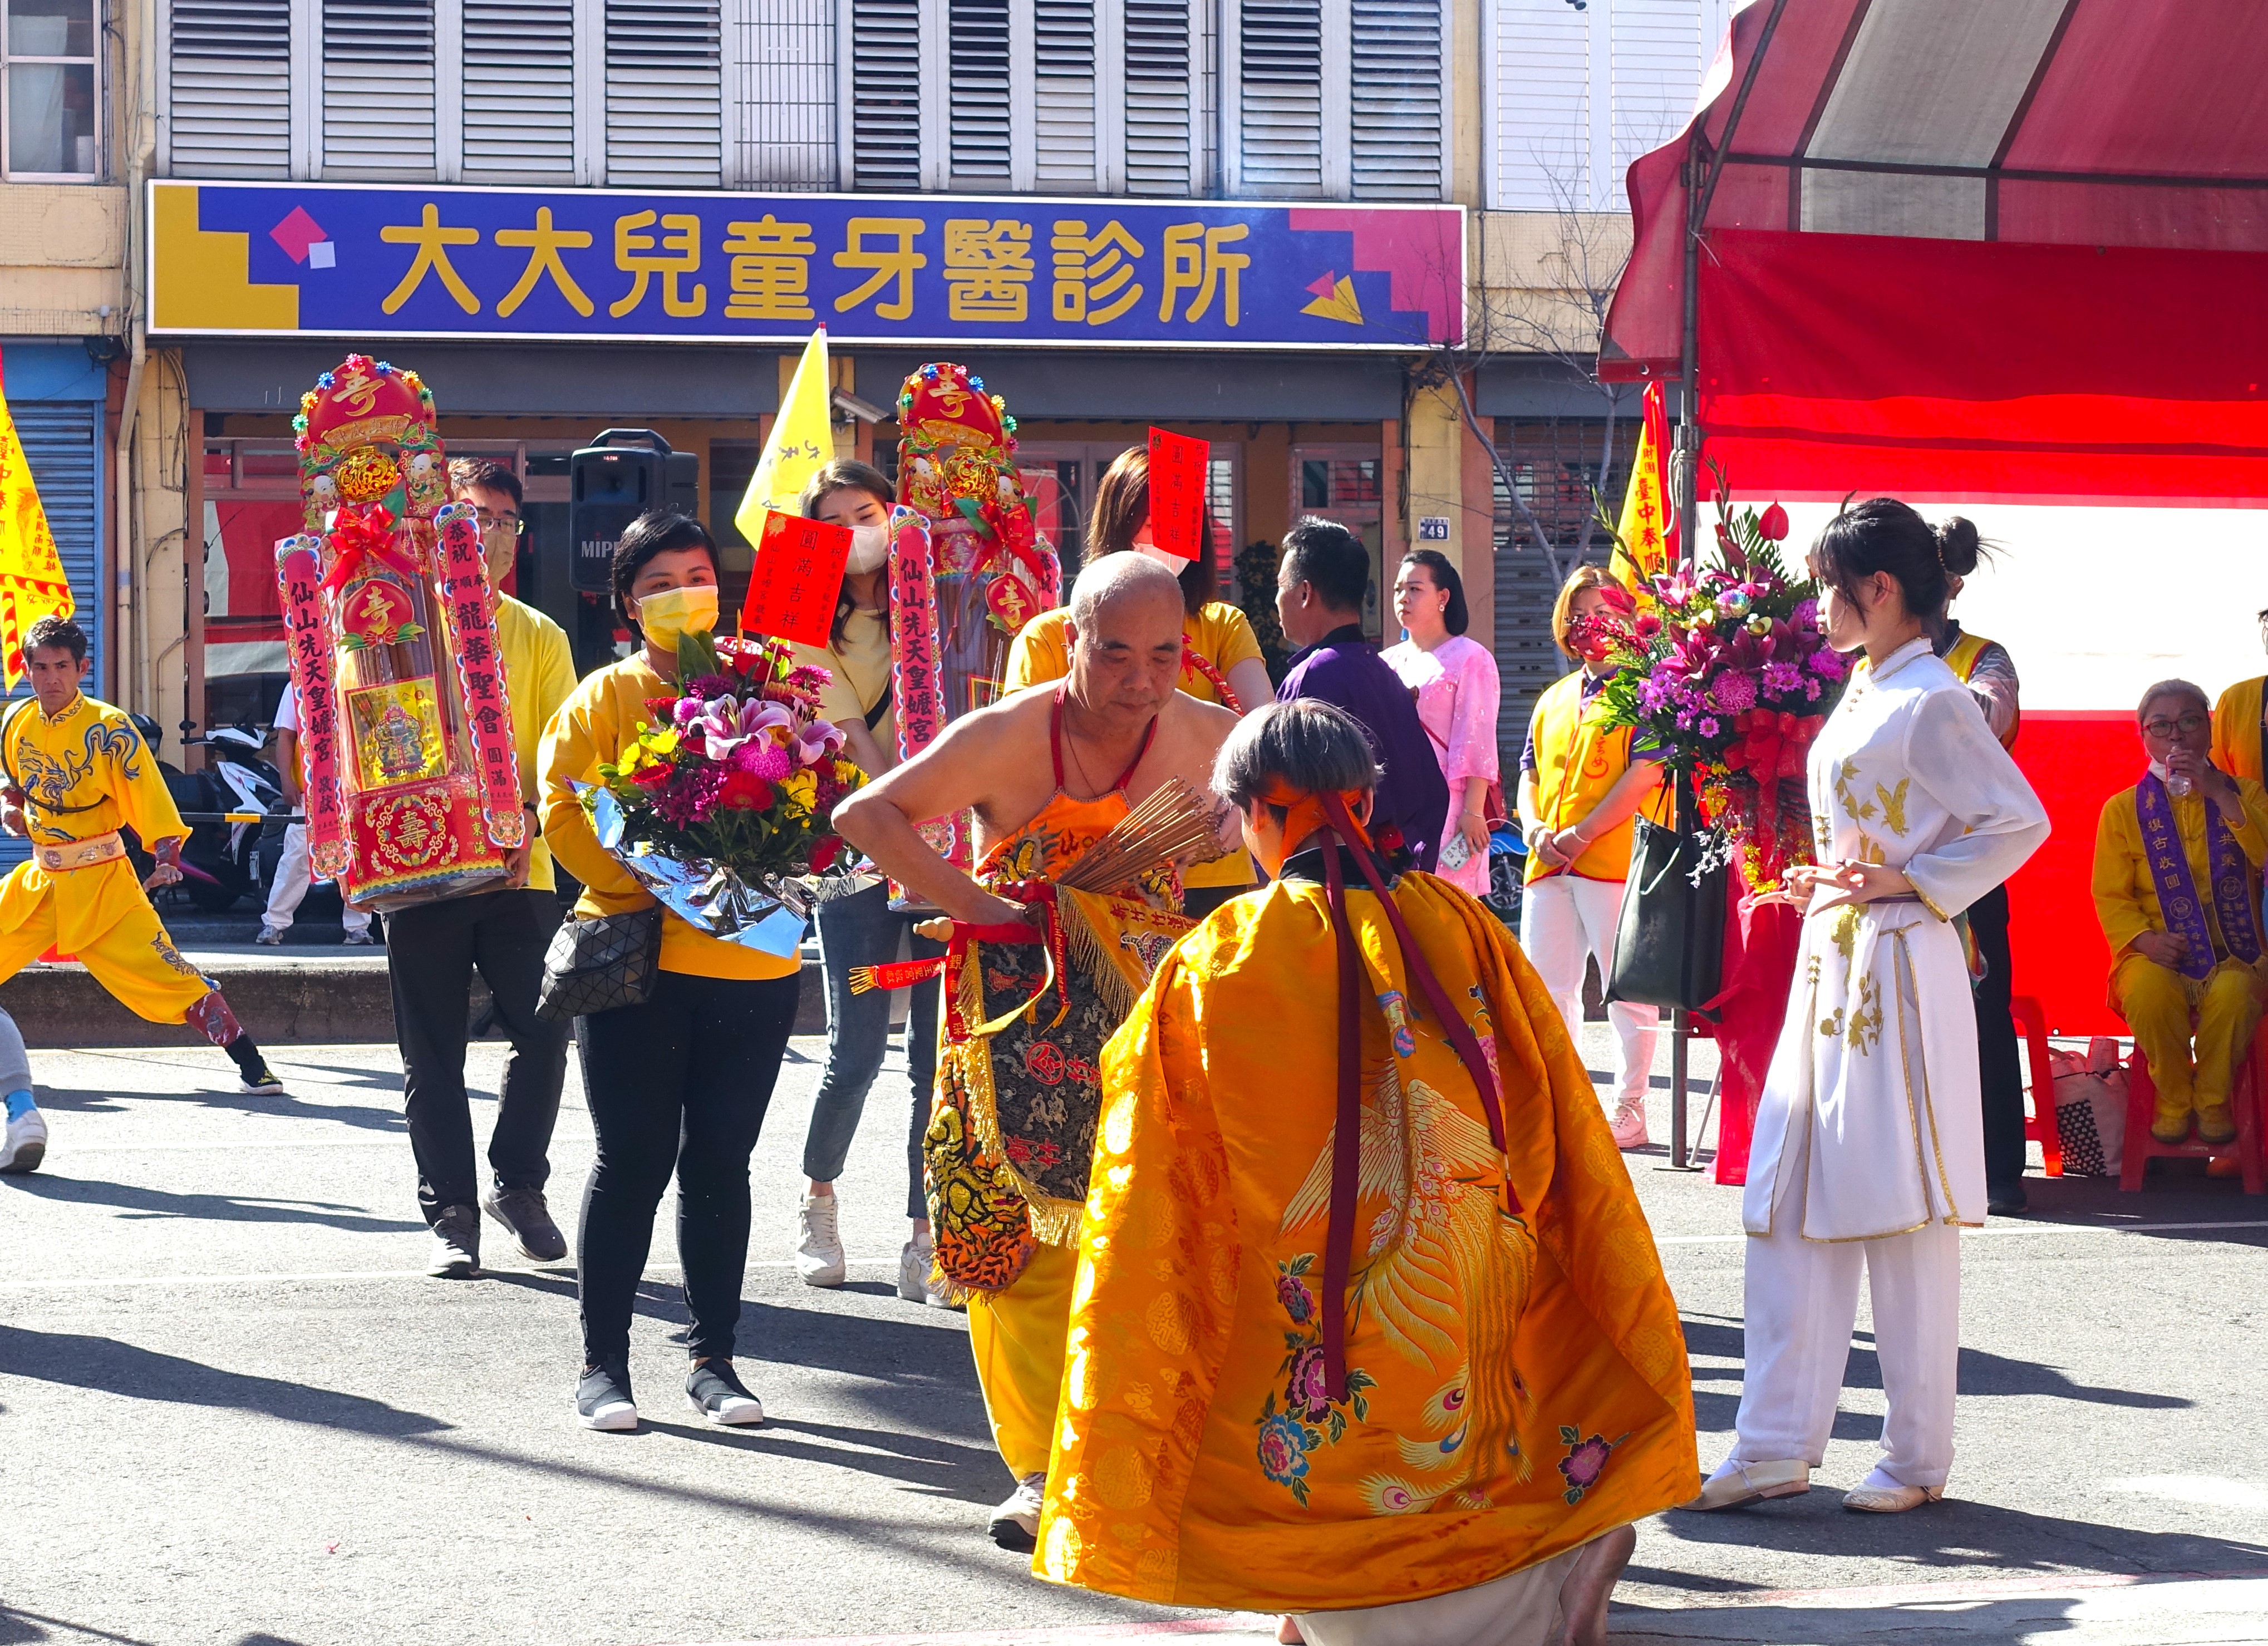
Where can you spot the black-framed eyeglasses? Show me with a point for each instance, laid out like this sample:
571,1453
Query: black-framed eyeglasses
2188,725
490,522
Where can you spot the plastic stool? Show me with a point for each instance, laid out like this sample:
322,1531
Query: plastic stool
2040,1125
2244,1102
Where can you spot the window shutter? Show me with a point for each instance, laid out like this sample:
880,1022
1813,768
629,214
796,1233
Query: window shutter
1395,122
787,73
1658,57
1281,57
378,88
885,94
977,112
1158,97
1542,87
231,94
1062,37
665,93
519,91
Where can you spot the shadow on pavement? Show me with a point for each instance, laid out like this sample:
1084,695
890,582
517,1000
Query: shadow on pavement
20,1628
143,1202
1952,1536
110,1367
1965,1619
281,1106
970,1474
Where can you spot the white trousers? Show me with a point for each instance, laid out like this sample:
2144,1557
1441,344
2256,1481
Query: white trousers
1801,1300
290,886
1520,1608
1564,920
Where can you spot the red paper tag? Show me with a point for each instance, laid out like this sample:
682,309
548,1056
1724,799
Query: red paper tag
797,580
1177,493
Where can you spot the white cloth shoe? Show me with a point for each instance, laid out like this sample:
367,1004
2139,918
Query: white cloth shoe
1736,1485
917,1279
1016,1523
1629,1125
819,1259
25,1142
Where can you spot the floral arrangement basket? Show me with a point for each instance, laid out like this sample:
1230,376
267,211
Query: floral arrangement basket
1725,666
723,805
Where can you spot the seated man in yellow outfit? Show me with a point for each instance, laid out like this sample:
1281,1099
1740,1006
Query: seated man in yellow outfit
1368,1328
1048,772
2177,864
76,771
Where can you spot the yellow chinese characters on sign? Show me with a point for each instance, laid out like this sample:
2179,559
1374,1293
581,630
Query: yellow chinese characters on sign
1093,273
1196,262
678,256
988,268
770,270
884,264
433,241
544,244
396,727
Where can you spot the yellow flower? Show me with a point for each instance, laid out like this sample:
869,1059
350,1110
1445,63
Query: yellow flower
663,744
802,788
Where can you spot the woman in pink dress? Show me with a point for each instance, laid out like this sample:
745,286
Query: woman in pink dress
1454,680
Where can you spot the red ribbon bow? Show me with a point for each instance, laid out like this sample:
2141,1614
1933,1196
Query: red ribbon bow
356,536
1774,745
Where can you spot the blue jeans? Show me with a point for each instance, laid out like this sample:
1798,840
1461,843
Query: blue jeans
862,930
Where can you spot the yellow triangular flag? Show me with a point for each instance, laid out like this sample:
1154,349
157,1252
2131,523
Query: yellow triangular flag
1645,527
802,441
31,581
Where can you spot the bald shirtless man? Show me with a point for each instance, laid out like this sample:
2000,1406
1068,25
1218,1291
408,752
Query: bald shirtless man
1046,772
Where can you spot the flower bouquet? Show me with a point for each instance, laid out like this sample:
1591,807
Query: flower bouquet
1729,673
723,805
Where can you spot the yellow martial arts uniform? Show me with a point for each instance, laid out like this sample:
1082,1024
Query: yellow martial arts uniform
84,773
1516,1381
2156,1001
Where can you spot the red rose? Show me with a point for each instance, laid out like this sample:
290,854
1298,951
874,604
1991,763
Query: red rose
745,791
1771,525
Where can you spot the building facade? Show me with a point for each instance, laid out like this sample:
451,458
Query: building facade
1347,221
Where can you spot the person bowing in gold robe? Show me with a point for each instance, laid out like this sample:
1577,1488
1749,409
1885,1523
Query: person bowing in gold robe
1367,1326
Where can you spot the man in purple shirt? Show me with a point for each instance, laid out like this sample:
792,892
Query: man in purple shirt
1319,592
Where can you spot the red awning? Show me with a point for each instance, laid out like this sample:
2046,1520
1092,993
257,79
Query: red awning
2014,250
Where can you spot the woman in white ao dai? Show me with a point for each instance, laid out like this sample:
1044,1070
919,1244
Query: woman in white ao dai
1869,1141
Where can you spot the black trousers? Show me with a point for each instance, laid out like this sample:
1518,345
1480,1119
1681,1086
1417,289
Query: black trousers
2000,1066
431,950
681,1081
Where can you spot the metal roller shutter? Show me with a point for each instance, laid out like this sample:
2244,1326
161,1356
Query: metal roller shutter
60,440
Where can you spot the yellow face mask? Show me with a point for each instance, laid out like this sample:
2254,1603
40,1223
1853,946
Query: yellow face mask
672,612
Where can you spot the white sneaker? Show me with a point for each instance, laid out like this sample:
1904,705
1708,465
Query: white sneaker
1629,1127
917,1280
1016,1523
270,937
819,1256
26,1144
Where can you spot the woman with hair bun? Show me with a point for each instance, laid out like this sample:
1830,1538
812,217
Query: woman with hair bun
1452,678
1869,1152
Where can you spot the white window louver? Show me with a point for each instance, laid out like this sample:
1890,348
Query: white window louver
229,98
977,117
1394,124
787,94
378,89
519,91
1281,57
1063,65
1542,95
1658,60
885,95
1157,97
665,93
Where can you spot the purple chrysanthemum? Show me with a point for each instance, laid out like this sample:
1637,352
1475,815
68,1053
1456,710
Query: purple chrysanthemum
1734,692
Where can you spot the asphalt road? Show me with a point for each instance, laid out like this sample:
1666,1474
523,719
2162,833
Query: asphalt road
233,1411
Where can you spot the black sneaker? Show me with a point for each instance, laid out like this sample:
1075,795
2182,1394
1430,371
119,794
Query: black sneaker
602,1400
456,1244
263,1081
524,1212
718,1395
2005,1199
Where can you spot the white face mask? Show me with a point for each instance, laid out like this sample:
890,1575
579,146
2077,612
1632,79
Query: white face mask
1171,562
870,547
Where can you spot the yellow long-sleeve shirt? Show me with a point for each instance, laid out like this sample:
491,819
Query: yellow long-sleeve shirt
83,772
539,672
596,723
2125,892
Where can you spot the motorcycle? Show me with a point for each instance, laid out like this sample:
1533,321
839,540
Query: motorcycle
228,806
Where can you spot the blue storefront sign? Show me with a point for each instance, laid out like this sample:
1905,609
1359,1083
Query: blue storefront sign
362,260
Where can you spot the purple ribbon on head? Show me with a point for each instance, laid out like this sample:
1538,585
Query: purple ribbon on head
2176,886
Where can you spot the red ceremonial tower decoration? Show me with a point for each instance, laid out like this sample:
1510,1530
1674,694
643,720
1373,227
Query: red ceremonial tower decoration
411,779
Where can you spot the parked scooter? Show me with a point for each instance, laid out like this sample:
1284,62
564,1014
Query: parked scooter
227,806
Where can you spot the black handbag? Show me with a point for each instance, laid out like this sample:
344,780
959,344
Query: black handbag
1669,935
599,963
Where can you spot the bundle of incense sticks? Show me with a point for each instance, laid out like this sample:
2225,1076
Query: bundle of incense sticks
1175,822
